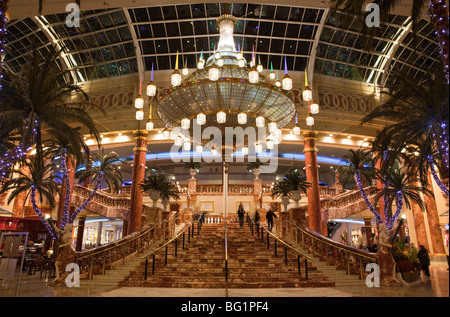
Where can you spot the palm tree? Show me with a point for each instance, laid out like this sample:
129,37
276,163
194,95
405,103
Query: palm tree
360,165
40,180
282,189
297,184
37,100
402,192
420,113
104,168
438,12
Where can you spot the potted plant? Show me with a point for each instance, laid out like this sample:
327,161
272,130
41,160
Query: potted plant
192,167
159,187
255,167
297,184
282,189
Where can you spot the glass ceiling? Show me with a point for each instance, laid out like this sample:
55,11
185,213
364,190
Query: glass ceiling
109,42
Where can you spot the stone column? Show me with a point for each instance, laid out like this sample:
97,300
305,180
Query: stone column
99,233
312,176
191,195
368,226
80,232
137,176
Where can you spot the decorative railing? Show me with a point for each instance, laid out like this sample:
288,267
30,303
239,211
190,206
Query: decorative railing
97,260
341,256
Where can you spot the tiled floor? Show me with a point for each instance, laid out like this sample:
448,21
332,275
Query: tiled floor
33,286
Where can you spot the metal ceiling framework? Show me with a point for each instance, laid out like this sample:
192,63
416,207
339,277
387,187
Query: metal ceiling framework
121,41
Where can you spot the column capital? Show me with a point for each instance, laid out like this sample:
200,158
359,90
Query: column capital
140,134
310,135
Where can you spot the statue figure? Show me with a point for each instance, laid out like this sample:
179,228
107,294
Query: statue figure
65,254
384,258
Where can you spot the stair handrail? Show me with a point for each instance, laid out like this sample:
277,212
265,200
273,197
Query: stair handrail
342,259
81,256
281,240
175,238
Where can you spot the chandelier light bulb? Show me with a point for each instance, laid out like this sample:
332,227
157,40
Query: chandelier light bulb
260,122
178,141
242,118
199,149
241,62
213,73
278,83
200,64
139,115
272,76
185,71
220,62
185,123
151,89
139,102
287,82
221,117
217,55
307,94
314,108
253,76
258,148
244,150
269,144
186,146
176,78
201,119
296,130
259,68
149,126
239,55
166,134
272,127
309,120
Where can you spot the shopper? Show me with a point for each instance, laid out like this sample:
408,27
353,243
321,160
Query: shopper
269,216
241,214
424,260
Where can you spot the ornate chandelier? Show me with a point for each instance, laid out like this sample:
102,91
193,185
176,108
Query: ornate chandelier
225,90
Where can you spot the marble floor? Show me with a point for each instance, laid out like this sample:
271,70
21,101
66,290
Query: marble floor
34,286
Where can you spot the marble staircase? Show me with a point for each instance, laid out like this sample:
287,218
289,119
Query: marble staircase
201,264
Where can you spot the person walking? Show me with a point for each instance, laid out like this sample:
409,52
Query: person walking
270,215
241,214
424,260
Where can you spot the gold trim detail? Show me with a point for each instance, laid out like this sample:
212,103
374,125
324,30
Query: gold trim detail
311,150
143,149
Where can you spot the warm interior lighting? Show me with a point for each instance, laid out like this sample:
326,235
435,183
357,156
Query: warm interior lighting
185,123
201,119
151,89
221,117
307,94
287,82
139,115
309,120
260,122
314,108
213,73
253,76
149,125
242,118
139,102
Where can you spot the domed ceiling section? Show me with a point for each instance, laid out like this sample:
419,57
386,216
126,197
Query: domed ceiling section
121,41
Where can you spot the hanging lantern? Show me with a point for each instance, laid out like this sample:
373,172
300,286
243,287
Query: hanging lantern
309,120
178,141
314,108
139,115
269,144
200,64
239,55
185,123
213,73
241,62
260,122
186,146
272,75
278,83
176,78
199,149
185,71
149,125
217,55
307,94
242,118
244,150
272,127
287,82
253,76
151,87
201,119
139,102
220,62
221,117
166,133
258,148
259,67
296,130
